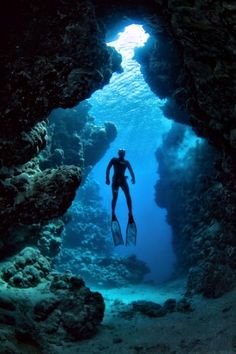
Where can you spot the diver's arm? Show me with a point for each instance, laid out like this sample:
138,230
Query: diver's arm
131,172
108,171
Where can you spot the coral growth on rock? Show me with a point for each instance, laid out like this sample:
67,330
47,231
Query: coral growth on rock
52,56
199,199
43,308
74,139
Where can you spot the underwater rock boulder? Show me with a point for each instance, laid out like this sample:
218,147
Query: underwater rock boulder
204,30
27,269
154,310
59,309
148,308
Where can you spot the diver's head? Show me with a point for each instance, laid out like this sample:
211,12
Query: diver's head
121,153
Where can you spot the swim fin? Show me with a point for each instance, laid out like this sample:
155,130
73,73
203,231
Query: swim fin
131,231
116,232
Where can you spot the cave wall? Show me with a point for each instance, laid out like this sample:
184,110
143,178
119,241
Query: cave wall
52,55
201,209
191,62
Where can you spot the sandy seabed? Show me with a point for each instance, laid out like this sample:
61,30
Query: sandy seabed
209,329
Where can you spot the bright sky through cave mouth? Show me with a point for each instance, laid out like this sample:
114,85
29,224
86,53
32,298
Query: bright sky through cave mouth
133,36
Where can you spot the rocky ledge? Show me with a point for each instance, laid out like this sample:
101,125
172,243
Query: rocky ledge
39,308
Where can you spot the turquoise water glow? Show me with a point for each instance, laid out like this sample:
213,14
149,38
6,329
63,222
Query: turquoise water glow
128,102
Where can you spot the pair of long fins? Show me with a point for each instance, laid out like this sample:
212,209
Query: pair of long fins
131,232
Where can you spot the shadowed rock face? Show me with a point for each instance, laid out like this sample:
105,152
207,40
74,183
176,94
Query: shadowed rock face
58,57
201,209
29,199
190,57
42,308
52,56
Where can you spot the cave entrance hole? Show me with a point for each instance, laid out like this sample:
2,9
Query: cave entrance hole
137,112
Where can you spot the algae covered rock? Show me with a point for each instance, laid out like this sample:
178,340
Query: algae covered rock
27,269
60,308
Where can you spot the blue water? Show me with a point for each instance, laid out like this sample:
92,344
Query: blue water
128,102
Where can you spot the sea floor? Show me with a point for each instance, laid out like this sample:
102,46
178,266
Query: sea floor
209,329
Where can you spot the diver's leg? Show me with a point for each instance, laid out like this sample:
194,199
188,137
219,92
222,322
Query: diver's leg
125,189
115,189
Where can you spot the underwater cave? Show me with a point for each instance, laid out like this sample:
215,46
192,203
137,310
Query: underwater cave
79,81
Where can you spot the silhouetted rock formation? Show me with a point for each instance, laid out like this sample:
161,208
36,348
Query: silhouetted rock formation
201,209
52,56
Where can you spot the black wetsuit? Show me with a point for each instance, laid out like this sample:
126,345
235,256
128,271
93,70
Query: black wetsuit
120,180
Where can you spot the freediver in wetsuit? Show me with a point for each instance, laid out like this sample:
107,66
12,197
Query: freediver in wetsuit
120,180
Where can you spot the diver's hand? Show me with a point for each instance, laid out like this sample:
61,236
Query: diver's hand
133,180
107,182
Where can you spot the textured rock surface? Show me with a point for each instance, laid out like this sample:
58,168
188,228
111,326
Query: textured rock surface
200,200
33,198
58,57
52,55
74,139
27,269
39,309
153,309
105,271
192,60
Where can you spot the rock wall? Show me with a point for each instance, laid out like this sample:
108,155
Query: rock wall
190,60
74,138
201,211
52,55
48,60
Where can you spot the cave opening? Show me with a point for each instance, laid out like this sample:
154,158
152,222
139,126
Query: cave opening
137,113
54,54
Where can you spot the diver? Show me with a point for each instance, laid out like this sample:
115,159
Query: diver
120,180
